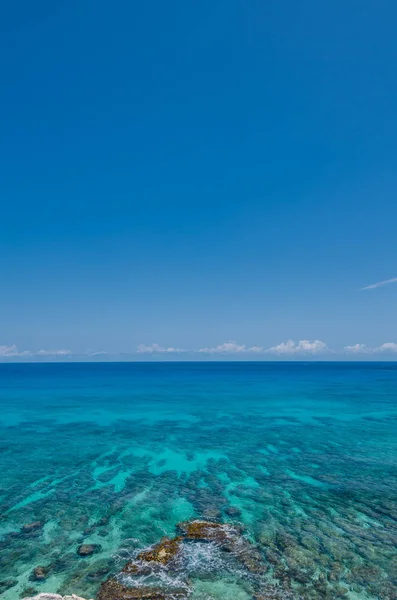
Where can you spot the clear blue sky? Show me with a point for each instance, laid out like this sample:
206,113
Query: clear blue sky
192,173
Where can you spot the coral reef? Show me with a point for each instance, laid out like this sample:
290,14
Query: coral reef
299,470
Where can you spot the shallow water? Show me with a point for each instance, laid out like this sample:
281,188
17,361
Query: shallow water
117,454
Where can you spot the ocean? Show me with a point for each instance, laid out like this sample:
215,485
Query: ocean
300,457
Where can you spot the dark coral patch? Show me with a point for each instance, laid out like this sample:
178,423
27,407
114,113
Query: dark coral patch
113,590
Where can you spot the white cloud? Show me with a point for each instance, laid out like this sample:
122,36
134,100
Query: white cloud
379,284
363,349
357,349
257,349
156,348
61,352
12,351
231,347
227,347
387,347
301,347
9,350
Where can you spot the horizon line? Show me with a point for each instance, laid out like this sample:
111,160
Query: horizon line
64,361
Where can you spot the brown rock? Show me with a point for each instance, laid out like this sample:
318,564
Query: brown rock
87,549
161,554
207,531
39,573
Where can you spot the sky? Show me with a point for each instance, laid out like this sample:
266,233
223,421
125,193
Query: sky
198,180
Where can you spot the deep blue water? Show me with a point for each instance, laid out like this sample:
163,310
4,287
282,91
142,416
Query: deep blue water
116,455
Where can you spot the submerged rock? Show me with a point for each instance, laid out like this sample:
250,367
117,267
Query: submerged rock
99,572
88,549
251,559
211,513
270,592
6,584
53,597
233,511
29,592
39,573
29,527
113,590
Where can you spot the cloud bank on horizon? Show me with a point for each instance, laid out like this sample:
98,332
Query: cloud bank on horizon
13,352
301,347
373,286
289,348
230,348
10,351
156,348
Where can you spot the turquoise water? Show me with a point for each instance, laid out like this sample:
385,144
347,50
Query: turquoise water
303,456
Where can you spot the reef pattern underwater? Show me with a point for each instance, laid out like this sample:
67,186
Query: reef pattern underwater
100,461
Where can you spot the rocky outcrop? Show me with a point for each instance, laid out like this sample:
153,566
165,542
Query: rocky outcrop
165,555
162,553
207,531
228,538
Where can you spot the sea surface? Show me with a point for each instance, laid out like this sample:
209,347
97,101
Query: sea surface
302,456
